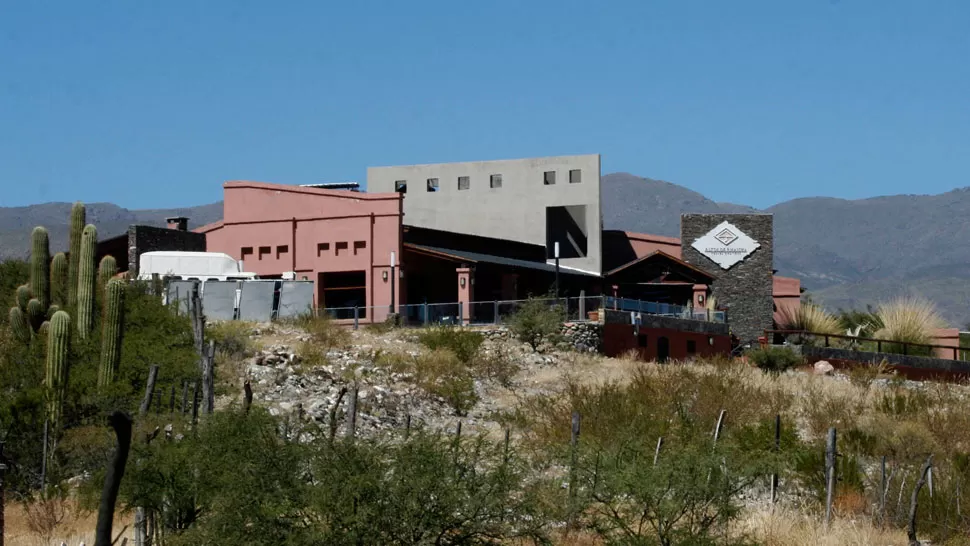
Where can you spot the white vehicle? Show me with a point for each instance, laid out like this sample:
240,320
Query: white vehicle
202,266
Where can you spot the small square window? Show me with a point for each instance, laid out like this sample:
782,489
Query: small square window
401,186
464,182
642,340
281,250
495,181
575,176
359,245
265,251
321,248
432,184
246,251
691,347
339,246
549,178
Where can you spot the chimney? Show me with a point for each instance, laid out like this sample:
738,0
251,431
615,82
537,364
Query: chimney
178,223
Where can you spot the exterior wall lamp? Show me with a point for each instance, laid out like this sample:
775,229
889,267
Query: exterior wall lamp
462,282
384,275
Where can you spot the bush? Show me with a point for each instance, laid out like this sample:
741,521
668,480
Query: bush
325,332
233,337
774,359
908,320
809,317
538,321
464,343
443,374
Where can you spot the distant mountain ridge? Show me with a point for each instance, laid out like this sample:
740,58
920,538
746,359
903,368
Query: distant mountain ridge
847,253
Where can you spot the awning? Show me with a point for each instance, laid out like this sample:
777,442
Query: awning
476,257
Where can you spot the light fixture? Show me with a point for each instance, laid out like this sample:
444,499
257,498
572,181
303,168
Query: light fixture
461,281
700,298
710,340
384,275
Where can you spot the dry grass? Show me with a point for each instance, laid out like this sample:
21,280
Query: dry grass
809,317
77,527
909,320
786,527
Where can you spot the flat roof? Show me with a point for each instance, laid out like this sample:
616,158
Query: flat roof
477,257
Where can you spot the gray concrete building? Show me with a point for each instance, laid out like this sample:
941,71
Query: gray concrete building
539,201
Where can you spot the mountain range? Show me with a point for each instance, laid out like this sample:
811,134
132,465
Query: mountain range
848,253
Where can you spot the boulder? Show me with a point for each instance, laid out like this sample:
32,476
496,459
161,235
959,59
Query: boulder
822,367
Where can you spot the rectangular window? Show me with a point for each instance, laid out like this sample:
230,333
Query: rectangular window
321,248
464,182
401,186
246,252
549,178
282,250
432,184
264,251
691,347
495,181
575,176
359,245
642,340
338,247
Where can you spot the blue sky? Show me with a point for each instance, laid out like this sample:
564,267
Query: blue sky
155,104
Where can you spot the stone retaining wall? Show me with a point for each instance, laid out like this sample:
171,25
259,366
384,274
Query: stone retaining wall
581,336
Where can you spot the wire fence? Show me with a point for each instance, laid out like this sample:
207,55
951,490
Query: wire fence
496,312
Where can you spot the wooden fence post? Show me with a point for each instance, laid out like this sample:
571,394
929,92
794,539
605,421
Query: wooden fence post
914,502
352,412
830,455
884,487
121,423
574,456
146,402
247,396
185,396
208,379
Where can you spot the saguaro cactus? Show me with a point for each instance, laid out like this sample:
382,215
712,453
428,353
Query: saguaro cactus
58,349
36,313
85,281
78,218
112,331
19,325
59,279
23,297
107,269
40,263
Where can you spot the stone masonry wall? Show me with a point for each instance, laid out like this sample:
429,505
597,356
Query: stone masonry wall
143,239
746,288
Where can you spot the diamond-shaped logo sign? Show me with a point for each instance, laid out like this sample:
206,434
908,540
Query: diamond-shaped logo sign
725,245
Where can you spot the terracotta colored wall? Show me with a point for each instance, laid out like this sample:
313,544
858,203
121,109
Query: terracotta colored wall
620,338
948,337
786,292
312,231
644,244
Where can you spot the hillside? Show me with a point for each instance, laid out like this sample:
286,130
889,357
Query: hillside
847,253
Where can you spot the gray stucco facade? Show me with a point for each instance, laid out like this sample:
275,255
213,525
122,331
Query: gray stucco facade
536,201
745,289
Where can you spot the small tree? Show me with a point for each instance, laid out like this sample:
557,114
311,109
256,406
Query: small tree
538,321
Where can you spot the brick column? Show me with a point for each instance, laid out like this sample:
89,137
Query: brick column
466,293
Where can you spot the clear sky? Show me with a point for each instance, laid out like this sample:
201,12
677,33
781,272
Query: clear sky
155,104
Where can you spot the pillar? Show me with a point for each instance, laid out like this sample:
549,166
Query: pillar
466,293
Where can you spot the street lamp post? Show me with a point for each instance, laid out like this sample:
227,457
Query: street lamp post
393,276
555,252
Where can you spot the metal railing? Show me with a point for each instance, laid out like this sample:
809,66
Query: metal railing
867,344
574,309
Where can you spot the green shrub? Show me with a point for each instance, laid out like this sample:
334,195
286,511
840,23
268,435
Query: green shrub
908,320
538,321
464,343
232,337
443,374
325,332
774,359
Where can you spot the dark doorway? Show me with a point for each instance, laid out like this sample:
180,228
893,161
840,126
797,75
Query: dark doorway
344,290
663,349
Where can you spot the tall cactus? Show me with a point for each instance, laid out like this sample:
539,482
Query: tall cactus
40,266
58,349
23,297
36,313
59,279
19,325
112,331
78,219
85,281
107,269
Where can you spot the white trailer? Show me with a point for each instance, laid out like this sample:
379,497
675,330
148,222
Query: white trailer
201,266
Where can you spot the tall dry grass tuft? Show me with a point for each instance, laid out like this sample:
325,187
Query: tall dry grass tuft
909,320
810,318
786,527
